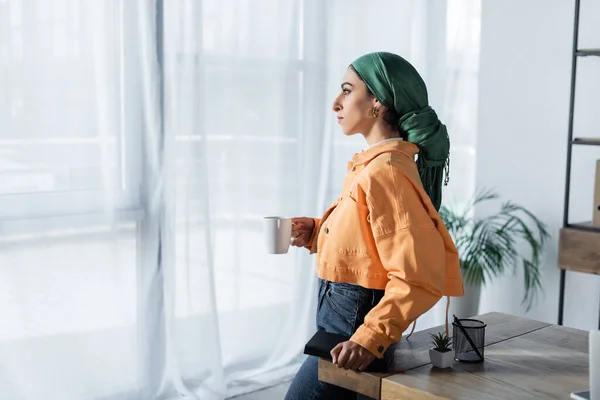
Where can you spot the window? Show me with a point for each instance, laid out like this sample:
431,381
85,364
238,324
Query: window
249,116
68,134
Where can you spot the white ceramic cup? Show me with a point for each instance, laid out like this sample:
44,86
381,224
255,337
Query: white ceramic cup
277,233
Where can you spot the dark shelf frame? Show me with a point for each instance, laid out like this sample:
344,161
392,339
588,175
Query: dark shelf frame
586,141
587,52
570,143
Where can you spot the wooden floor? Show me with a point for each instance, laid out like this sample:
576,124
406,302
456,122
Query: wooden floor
273,393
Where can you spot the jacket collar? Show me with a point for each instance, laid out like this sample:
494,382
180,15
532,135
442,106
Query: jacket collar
399,146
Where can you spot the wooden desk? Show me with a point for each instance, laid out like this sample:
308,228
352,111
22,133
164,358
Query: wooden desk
523,359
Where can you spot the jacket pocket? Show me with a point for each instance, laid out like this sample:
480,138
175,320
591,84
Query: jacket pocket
344,305
349,230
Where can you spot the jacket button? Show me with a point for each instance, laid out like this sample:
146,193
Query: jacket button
326,230
380,349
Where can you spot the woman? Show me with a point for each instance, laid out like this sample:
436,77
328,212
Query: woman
384,256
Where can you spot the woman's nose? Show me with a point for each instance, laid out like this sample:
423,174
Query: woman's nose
336,104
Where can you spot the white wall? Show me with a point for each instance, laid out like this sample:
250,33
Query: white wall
521,144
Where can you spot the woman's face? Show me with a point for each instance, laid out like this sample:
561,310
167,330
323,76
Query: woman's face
354,106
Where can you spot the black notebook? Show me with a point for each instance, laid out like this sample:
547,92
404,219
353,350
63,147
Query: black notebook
322,342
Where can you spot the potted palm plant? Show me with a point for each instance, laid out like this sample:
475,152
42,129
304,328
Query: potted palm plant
441,354
489,247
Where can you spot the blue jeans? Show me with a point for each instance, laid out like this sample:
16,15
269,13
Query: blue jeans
341,309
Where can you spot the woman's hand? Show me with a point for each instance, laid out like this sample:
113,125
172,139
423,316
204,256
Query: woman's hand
350,355
302,229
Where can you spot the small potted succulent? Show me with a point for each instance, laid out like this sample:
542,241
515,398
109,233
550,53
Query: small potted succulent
441,354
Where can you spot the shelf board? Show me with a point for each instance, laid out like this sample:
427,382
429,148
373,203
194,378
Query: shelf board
583,226
587,141
579,248
588,52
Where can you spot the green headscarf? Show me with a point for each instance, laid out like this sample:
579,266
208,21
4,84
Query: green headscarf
397,85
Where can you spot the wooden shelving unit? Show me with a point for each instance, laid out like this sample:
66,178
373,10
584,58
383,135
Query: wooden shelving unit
579,243
579,248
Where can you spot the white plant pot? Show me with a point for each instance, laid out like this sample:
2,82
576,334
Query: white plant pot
441,360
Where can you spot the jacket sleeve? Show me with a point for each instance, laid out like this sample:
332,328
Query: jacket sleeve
312,245
412,251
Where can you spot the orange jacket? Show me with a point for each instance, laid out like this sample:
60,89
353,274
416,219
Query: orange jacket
384,233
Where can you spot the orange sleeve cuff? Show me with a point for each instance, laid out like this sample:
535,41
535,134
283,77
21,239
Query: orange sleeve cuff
312,245
371,341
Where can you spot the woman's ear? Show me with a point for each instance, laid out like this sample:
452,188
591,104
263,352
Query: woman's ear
377,104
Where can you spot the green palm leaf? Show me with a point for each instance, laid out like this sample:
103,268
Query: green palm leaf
488,247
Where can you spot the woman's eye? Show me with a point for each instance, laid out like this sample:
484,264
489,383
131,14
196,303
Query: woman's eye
346,92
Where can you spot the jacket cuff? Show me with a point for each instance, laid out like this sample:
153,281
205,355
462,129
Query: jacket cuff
371,341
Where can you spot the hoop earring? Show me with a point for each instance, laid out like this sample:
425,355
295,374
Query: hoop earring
375,112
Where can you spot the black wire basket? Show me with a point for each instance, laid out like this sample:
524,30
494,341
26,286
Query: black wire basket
468,340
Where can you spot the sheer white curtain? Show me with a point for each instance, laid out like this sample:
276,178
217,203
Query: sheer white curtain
243,111
142,142
70,203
